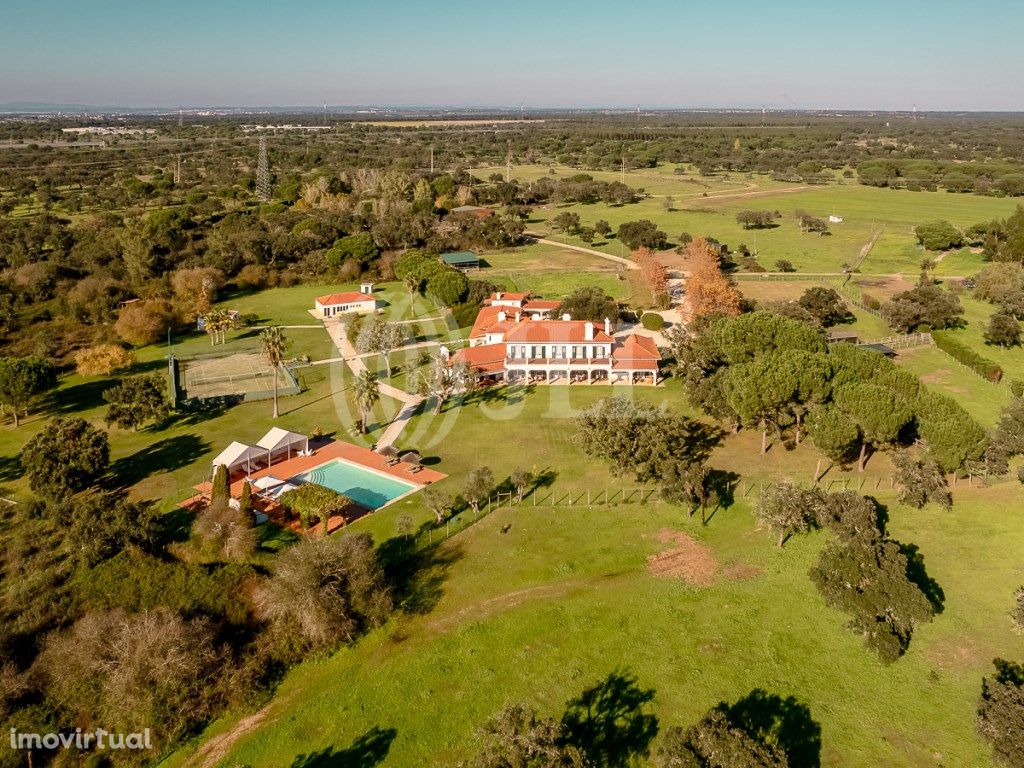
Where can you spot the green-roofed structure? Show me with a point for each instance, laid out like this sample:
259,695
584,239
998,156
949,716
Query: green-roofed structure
464,260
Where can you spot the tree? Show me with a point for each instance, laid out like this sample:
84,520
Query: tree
102,524
517,737
129,671
245,500
327,590
1002,284
217,322
877,411
1008,437
22,381
708,291
136,401
366,394
925,304
760,392
447,286
359,247
1003,330
477,488
825,306
195,289
438,501
220,487
312,502
64,457
920,480
835,435
938,236
226,531
715,742
382,338
788,510
784,265
756,219
442,379
602,228
566,221
589,303
1001,712
521,480
145,322
808,223
103,360
639,234
869,579
274,346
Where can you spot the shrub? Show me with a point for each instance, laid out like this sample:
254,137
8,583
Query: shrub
652,321
939,236
870,301
103,360
963,354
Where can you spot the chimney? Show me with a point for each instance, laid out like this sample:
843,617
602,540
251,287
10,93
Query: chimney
608,326
502,316
566,317
588,331
497,296
518,315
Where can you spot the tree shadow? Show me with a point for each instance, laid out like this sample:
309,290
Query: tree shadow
784,722
368,750
161,457
77,398
918,575
608,721
10,468
416,576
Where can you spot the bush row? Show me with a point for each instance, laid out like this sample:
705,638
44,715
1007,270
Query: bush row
980,365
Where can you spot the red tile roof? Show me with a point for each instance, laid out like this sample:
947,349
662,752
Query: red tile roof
487,320
350,297
487,357
635,347
539,331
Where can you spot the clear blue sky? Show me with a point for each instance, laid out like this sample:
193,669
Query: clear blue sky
937,54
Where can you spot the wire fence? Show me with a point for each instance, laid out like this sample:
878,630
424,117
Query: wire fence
550,498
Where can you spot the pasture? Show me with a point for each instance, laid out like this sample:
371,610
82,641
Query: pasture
708,206
578,598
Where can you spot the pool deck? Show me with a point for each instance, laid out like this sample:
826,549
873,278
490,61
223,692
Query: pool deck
355,454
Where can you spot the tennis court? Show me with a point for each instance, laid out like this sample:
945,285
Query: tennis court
243,373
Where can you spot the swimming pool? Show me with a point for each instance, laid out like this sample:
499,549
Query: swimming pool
364,486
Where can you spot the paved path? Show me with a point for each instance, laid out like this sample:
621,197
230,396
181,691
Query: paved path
617,259
410,403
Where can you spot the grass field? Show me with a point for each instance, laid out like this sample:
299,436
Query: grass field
576,600
867,211
552,272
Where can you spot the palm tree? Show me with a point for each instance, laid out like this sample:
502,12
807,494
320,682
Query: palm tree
274,345
366,393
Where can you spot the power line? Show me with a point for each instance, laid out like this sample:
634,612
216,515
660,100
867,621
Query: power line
263,172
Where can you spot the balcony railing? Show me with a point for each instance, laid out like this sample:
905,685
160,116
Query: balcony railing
557,361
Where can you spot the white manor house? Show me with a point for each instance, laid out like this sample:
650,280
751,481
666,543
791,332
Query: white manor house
514,338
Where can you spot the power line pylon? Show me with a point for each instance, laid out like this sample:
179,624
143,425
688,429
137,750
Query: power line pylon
177,172
263,173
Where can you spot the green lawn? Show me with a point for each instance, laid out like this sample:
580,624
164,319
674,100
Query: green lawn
866,211
551,272
982,399
977,314
538,603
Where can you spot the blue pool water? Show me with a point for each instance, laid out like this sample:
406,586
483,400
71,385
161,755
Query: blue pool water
363,486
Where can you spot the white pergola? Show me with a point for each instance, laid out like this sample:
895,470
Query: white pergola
279,440
238,455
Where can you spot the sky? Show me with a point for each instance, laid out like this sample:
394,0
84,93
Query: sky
786,54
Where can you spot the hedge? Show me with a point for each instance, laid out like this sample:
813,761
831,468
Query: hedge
963,354
652,321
